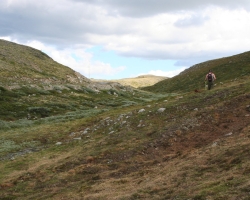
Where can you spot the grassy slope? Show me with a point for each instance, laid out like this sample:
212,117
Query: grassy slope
198,148
33,86
24,64
226,70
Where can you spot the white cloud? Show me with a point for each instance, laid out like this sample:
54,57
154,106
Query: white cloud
6,38
174,31
188,32
166,73
79,60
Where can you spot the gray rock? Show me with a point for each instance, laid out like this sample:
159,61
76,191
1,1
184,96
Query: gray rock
214,144
58,143
161,110
78,138
142,110
228,134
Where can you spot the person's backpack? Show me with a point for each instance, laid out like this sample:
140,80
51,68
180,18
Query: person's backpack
210,77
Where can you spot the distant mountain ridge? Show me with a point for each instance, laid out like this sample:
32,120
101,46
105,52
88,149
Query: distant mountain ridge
139,81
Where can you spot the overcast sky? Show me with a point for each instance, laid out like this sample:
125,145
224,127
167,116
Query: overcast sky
111,39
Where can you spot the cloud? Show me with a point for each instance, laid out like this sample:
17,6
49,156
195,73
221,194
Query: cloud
142,8
188,32
191,20
166,73
79,60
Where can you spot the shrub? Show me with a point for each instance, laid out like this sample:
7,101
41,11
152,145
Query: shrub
42,111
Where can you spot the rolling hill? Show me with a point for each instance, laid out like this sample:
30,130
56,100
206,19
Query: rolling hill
140,81
226,69
33,86
127,144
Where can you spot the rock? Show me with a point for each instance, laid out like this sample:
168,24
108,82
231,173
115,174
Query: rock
140,124
72,134
124,122
86,131
58,143
214,144
161,110
78,138
142,110
196,109
228,134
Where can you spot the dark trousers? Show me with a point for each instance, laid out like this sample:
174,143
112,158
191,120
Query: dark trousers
209,85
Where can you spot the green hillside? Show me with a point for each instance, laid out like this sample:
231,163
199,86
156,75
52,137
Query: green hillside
25,65
226,70
126,144
33,87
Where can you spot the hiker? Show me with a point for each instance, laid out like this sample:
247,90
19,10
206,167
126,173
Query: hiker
210,78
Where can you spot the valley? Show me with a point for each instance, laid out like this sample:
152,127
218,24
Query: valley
63,136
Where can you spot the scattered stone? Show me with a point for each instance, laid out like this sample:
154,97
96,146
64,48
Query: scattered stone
161,110
142,110
184,127
120,117
228,134
78,138
196,109
165,100
124,122
214,144
58,143
86,131
111,132
72,134
140,124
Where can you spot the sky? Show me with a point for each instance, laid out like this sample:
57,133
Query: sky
114,39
